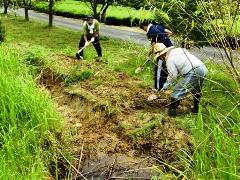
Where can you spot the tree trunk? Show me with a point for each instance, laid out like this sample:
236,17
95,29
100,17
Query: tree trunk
5,9
51,4
103,14
5,4
94,5
103,11
26,13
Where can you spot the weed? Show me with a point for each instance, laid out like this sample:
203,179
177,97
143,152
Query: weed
145,131
32,59
97,82
74,78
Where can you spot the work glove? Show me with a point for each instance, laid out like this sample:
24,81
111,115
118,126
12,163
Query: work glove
92,39
152,97
87,43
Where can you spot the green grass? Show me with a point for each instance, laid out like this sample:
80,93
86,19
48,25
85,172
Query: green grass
43,43
217,141
28,119
78,76
215,131
82,9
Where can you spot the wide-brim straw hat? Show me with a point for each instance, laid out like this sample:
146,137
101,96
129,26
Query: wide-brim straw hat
160,49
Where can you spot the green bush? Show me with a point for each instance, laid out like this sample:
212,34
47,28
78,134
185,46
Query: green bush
137,4
116,15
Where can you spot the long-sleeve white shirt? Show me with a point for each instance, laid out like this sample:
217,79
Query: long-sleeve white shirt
179,61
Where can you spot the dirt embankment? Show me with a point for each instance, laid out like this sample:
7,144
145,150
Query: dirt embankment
116,132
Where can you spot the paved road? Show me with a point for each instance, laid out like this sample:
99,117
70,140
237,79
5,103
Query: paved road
137,37
78,24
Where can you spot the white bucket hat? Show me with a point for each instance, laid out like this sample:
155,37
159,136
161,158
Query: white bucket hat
160,49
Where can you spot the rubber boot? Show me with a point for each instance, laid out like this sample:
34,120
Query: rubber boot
172,111
78,56
196,101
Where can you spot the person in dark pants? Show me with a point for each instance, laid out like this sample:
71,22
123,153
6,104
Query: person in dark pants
160,74
90,34
158,34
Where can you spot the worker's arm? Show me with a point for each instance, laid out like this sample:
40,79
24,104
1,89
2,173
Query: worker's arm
154,40
168,32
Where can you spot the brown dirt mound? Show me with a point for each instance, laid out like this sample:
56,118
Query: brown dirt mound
116,131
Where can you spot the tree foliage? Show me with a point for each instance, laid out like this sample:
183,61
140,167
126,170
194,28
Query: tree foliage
99,7
134,3
182,17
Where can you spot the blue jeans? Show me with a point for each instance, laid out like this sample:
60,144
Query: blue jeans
191,82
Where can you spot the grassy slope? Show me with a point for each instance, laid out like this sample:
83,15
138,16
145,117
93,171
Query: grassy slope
214,131
122,56
28,120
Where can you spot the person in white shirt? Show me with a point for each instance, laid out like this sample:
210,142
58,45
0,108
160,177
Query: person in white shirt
193,71
90,34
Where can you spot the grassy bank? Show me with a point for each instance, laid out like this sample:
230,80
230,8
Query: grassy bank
214,131
45,43
116,15
28,120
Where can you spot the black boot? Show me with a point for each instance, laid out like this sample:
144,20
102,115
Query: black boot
172,111
78,56
196,101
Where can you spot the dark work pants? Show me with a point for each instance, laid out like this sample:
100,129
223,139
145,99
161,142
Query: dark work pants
160,74
96,44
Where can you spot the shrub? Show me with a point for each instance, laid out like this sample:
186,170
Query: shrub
116,15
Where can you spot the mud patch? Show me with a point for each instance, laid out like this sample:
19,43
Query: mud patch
115,131
50,79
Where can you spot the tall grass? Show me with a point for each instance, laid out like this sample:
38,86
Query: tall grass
28,121
217,150
217,129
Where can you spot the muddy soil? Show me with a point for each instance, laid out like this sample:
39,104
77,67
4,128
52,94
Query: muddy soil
116,132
